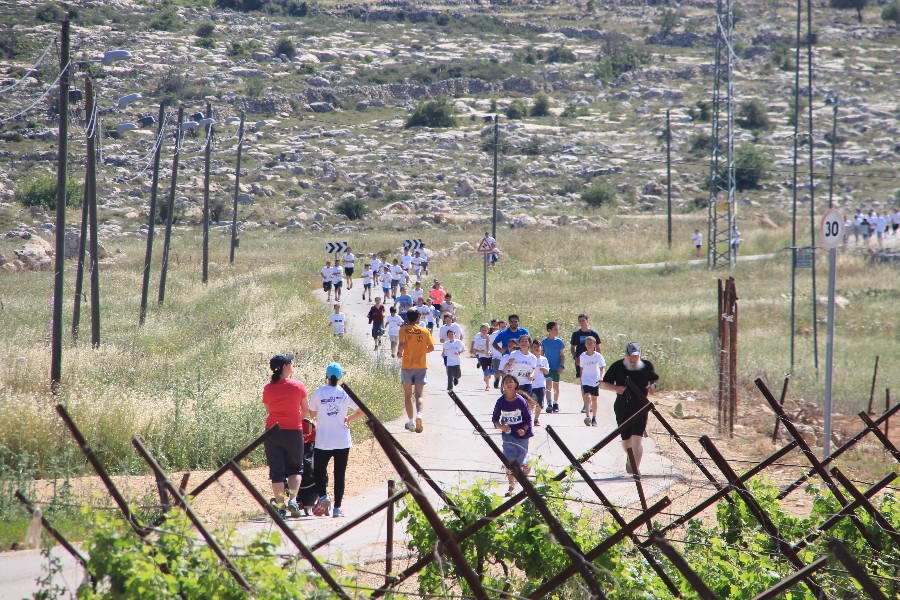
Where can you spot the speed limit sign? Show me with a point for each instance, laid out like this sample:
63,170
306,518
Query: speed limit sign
832,228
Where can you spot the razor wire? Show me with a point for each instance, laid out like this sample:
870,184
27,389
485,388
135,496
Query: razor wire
29,71
41,97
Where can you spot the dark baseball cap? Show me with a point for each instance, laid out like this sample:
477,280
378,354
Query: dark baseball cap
633,349
279,360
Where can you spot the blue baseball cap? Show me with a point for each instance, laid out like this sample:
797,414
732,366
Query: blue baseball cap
334,370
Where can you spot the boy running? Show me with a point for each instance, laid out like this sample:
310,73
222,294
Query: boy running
592,366
697,240
337,278
376,318
393,330
555,352
512,417
337,321
496,354
327,278
522,363
452,351
367,281
540,382
481,350
349,264
385,280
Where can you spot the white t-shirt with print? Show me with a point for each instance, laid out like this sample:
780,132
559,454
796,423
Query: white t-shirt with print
540,379
376,265
453,350
442,332
394,323
521,365
331,404
591,367
395,271
385,280
480,344
349,260
367,277
416,294
406,261
337,274
326,274
337,323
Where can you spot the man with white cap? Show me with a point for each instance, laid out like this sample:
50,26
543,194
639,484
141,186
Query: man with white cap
641,372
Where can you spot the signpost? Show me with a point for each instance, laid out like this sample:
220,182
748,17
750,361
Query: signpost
412,245
336,248
485,247
832,233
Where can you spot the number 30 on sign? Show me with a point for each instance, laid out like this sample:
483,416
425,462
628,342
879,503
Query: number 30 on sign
832,228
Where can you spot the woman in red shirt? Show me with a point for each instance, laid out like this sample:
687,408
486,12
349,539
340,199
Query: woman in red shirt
286,404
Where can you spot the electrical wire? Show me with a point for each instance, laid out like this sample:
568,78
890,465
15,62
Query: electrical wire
29,71
41,97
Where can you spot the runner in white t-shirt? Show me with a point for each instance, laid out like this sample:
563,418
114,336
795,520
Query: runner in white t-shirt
337,320
327,276
376,263
406,260
452,353
349,263
592,366
337,280
394,323
329,405
386,278
697,240
417,292
539,383
481,348
496,355
367,281
522,363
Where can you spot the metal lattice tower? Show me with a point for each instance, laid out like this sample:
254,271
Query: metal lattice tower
722,206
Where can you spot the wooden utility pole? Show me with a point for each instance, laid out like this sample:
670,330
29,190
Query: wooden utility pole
151,222
237,189
171,208
496,148
60,258
82,242
92,218
209,134
669,176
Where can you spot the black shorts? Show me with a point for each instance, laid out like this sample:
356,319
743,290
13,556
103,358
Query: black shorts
485,363
338,285
624,411
326,286
348,271
538,395
895,226
592,390
367,286
284,453
377,330
454,370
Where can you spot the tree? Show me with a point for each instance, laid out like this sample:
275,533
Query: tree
352,208
857,5
433,113
751,166
668,21
891,12
517,109
541,107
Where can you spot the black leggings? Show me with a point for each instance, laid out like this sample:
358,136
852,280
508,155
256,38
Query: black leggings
340,468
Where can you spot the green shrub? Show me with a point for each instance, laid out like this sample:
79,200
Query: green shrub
205,29
254,88
166,20
11,44
701,144
891,12
541,106
442,19
619,57
599,193
39,190
206,43
668,21
559,54
752,115
751,167
285,46
517,109
573,110
433,113
352,208
50,12
173,86
701,111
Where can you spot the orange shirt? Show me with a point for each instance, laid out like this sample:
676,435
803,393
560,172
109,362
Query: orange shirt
415,342
437,295
285,402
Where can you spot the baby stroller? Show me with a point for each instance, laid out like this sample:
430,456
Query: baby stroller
306,495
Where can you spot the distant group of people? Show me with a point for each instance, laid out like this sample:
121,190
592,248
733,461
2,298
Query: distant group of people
872,226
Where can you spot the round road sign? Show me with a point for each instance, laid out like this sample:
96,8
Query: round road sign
832,228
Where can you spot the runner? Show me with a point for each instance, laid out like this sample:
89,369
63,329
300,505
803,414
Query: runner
329,406
376,264
697,240
367,275
396,269
406,260
511,332
337,320
415,344
480,347
576,343
496,354
437,293
555,353
642,373
452,352
424,252
349,263
404,302
385,280
337,279
592,366
512,417
429,316
417,261
286,404
417,292
448,306
376,318
521,363
449,325
327,278
539,383
394,323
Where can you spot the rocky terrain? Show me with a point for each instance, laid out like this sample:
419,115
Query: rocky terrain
328,90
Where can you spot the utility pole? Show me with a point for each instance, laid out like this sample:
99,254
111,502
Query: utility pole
833,147
237,189
209,134
151,224
60,258
794,186
82,242
171,208
812,185
92,216
496,148
669,175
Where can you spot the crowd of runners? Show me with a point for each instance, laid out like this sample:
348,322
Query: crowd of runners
525,371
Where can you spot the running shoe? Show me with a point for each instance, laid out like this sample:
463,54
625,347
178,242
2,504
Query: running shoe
537,423
556,408
487,388
279,508
456,381
593,421
337,512
419,427
294,508
410,426
587,421
449,389
582,409
322,507
510,491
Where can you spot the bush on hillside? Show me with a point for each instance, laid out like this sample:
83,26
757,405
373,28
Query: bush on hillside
285,46
352,208
39,190
599,193
433,113
517,109
752,115
620,56
50,12
857,5
541,106
205,30
751,167
891,12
